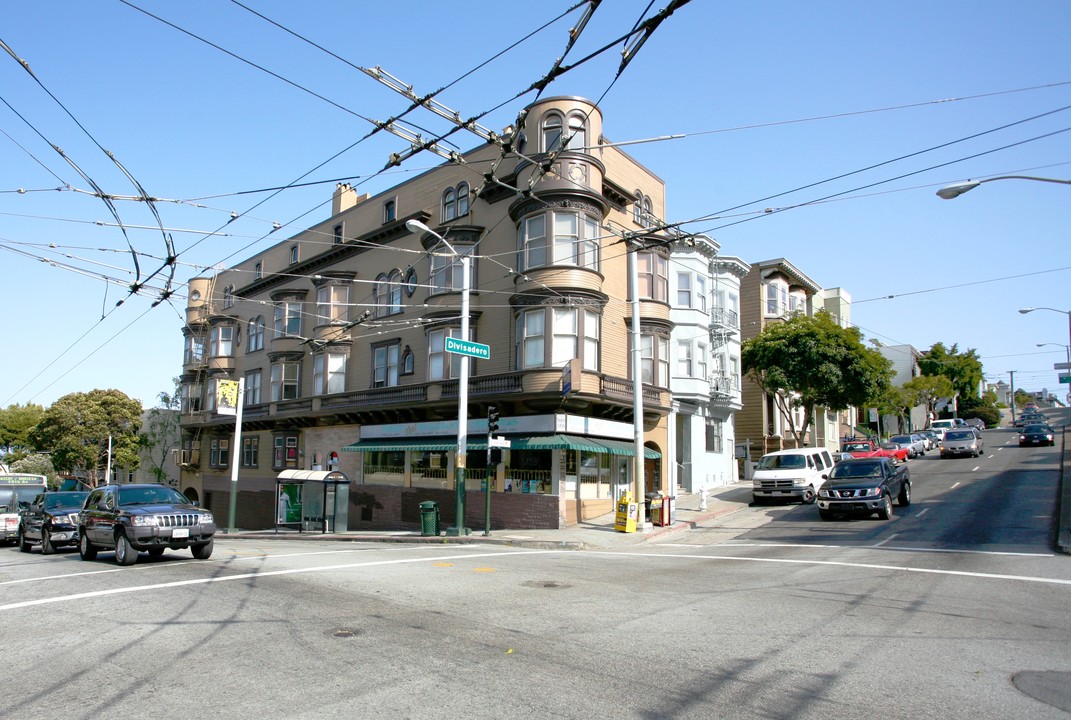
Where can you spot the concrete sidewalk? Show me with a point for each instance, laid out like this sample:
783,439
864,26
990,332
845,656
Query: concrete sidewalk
594,533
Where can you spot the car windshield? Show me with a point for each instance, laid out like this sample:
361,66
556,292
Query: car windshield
151,496
959,435
852,446
900,439
856,470
17,497
775,462
65,499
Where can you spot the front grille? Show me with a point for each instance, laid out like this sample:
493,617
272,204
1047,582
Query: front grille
772,484
178,520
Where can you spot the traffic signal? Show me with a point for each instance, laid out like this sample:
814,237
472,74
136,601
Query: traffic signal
492,419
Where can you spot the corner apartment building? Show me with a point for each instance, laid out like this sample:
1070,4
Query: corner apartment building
706,372
771,292
339,335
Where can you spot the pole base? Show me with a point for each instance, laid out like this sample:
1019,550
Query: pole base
457,532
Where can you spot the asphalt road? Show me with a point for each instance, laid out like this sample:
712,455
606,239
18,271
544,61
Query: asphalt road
955,608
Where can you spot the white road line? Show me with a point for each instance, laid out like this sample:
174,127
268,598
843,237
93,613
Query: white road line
954,486
921,512
886,540
266,573
976,467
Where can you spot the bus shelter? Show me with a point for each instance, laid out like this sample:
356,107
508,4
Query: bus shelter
311,500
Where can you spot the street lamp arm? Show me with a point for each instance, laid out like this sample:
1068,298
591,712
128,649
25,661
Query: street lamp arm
956,189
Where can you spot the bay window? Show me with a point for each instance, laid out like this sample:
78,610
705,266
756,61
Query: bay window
285,381
385,364
329,373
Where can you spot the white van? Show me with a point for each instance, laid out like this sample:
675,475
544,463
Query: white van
939,427
791,474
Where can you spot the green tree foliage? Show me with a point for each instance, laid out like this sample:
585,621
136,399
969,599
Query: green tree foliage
76,429
808,361
16,421
37,464
963,370
928,389
161,435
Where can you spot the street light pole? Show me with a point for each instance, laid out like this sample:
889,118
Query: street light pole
1024,311
461,459
956,189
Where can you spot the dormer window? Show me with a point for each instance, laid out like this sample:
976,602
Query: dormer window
455,202
293,254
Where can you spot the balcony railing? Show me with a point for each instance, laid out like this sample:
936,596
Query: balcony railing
490,385
377,396
724,384
621,388
726,319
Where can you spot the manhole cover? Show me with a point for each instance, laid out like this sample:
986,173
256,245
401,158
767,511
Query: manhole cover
544,584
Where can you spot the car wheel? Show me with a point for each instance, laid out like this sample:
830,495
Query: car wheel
155,552
22,542
203,552
808,497
904,499
86,549
46,543
125,554
885,512
825,515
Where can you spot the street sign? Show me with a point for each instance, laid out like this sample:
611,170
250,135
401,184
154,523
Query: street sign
464,347
1065,379
1061,366
499,442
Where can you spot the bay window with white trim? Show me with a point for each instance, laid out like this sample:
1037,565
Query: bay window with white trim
329,373
654,360
573,333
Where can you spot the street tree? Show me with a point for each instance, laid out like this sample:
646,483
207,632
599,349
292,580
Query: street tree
76,430
928,389
36,464
161,435
810,360
963,370
16,421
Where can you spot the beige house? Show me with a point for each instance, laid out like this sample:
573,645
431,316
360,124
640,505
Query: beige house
772,291
340,334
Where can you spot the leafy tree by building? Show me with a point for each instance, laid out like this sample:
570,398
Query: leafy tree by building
810,361
16,422
76,429
161,435
37,464
963,370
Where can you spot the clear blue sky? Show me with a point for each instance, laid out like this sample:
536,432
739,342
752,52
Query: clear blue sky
742,81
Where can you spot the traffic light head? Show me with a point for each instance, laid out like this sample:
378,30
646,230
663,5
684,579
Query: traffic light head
492,419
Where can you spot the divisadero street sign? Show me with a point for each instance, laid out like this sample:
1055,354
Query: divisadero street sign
465,347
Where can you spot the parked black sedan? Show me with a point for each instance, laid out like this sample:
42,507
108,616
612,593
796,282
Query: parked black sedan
863,486
51,521
1036,435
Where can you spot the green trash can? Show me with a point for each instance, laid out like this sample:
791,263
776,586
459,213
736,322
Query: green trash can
429,518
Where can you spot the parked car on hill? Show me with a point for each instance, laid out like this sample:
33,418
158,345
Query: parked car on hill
978,423
914,444
864,486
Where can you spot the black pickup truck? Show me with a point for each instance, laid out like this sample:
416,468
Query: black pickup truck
146,517
863,486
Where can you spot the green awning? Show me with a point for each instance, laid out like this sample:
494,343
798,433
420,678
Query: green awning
620,447
555,442
402,444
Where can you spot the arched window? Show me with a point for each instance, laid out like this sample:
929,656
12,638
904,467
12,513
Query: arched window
463,199
552,132
577,138
255,334
455,202
449,204
228,296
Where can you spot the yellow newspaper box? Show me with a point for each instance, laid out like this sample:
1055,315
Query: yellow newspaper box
627,514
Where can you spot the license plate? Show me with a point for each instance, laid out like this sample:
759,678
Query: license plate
778,492
178,533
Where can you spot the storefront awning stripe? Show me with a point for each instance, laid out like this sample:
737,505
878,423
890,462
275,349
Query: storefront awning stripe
556,442
620,447
538,442
402,444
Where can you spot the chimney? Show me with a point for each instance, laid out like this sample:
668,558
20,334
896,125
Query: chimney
343,199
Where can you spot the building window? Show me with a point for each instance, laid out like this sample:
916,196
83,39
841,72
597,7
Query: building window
293,254
714,435
441,364
390,211
332,303
285,453
219,455
388,293
446,272
329,373
250,452
258,271
455,202
191,397
684,358
701,361
221,341
653,272
252,387
407,361
684,290
575,132
797,301
700,293
287,318
285,381
776,298
575,242
336,235
385,365
642,210
194,350
569,327
255,335
654,360
228,297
